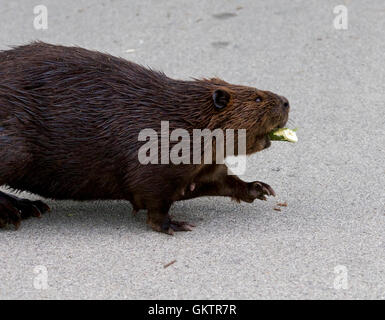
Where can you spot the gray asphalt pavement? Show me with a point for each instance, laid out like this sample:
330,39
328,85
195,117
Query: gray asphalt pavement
327,243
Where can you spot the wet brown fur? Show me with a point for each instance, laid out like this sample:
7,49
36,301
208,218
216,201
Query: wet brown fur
69,124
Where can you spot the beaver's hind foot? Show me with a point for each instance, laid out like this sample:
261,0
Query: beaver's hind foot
14,209
165,224
179,226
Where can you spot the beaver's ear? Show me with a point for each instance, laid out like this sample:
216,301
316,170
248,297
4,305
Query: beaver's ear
221,98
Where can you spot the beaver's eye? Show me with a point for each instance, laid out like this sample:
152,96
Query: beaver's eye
258,99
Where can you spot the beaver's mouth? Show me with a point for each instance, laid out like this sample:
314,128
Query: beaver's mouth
266,137
279,126
262,139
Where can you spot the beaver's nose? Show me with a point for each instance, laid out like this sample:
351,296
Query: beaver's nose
285,102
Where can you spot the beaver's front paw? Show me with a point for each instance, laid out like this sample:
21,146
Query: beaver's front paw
259,190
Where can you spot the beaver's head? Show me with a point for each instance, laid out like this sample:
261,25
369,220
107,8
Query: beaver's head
240,107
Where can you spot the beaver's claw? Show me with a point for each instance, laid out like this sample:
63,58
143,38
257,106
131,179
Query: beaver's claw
13,209
259,190
170,226
179,226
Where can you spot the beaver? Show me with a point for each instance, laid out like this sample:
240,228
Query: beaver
69,124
